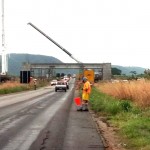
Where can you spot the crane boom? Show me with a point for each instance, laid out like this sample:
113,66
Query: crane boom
68,53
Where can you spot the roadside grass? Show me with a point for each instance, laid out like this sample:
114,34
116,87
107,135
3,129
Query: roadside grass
135,91
12,87
132,121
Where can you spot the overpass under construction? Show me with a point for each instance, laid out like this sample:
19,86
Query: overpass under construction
49,69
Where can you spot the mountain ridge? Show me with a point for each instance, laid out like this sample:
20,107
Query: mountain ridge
16,60
127,69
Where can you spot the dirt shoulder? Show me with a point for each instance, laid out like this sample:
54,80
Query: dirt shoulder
108,133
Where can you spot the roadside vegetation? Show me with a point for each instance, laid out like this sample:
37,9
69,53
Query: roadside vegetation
126,106
16,86
12,87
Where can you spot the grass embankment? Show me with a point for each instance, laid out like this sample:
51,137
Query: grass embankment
128,110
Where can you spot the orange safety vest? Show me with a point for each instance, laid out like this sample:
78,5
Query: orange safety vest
86,91
87,87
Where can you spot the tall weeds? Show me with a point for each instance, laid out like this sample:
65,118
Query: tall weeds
11,87
136,91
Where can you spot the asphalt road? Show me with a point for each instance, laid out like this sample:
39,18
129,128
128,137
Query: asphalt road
46,120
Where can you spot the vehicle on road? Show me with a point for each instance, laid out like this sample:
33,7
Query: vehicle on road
67,84
66,81
61,85
53,82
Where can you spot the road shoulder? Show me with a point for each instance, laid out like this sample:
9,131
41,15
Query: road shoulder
81,132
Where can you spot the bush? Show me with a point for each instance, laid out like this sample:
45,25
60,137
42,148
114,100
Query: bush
125,105
102,102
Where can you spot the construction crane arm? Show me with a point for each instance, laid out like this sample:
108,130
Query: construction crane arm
53,42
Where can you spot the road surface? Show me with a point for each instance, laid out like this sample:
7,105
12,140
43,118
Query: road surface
45,120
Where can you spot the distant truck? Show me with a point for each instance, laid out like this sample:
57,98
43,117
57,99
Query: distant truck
98,76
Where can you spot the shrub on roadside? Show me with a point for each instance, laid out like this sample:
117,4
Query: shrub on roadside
126,105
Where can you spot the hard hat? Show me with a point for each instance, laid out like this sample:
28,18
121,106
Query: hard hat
84,79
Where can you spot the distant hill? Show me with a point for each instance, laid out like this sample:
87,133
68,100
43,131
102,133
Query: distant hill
127,70
16,60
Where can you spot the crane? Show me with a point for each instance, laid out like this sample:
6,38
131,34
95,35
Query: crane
68,53
88,73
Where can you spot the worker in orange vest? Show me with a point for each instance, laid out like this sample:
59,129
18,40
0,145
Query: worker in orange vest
86,90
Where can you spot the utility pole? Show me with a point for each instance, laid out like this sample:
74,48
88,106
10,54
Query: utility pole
4,55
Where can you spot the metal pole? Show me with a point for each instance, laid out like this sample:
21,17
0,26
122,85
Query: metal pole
4,58
3,42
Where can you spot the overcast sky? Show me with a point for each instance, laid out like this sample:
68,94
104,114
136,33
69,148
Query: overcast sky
93,31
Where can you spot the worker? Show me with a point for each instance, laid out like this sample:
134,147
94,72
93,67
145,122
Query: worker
35,83
86,90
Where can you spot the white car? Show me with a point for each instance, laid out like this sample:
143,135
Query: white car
53,82
61,85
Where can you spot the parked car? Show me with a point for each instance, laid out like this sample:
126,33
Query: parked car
61,85
53,82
